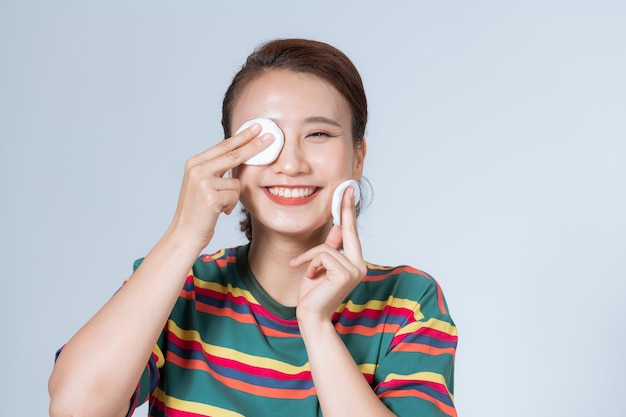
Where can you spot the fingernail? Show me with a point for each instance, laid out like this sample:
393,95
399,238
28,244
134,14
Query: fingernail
351,195
267,137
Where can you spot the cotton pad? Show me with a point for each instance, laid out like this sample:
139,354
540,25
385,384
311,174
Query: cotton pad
269,154
338,197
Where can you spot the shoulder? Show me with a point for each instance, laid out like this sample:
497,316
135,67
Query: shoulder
208,266
407,283
221,258
220,263
401,277
379,272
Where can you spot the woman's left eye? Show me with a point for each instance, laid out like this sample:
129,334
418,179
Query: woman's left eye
319,135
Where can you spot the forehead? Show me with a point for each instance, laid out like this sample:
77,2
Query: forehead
285,94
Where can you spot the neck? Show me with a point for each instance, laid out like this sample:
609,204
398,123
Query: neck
269,257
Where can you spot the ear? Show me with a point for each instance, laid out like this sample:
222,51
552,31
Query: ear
359,158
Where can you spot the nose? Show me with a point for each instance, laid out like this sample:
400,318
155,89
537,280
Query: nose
292,158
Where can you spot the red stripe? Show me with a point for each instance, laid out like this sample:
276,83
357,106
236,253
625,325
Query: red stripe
450,411
241,385
395,271
231,363
440,300
430,332
365,330
395,383
376,314
420,348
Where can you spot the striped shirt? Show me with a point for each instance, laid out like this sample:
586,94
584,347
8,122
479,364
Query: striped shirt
228,349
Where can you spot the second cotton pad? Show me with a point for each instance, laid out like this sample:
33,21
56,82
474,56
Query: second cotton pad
338,197
269,154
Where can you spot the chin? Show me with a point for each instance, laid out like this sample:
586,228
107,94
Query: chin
299,229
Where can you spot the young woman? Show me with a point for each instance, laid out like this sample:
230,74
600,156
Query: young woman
295,323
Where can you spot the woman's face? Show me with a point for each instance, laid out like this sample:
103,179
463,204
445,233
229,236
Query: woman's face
293,194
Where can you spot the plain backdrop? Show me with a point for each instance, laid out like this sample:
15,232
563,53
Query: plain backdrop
496,151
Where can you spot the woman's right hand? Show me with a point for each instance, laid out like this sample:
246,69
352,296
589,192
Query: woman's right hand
96,372
205,192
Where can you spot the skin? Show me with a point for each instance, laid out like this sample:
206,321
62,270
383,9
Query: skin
318,152
297,243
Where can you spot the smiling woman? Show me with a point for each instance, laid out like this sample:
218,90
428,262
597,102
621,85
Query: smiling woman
295,322
317,156
335,73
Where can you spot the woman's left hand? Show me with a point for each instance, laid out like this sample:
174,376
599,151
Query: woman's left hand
331,275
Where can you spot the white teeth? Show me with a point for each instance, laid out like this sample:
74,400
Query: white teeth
291,192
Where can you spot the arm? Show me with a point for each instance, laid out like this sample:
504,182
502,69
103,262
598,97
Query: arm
340,385
415,374
414,377
98,369
341,388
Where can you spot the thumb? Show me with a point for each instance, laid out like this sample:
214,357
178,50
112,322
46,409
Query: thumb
335,237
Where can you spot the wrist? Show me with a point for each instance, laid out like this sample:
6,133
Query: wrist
315,326
181,239
178,247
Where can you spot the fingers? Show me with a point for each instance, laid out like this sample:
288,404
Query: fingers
322,257
233,151
335,237
206,195
350,235
345,236
222,193
325,261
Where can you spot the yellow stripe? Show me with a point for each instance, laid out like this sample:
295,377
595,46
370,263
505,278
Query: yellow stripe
215,256
193,407
232,354
159,354
421,376
235,291
380,305
379,267
418,376
368,368
432,323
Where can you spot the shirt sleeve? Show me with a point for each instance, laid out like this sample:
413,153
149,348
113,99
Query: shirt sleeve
148,381
415,377
150,376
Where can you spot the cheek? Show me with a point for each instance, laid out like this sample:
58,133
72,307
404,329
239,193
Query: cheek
245,174
338,160
242,172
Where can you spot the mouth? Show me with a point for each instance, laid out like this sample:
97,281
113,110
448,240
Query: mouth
291,192
291,195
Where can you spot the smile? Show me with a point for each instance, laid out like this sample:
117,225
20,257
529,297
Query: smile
291,192
292,196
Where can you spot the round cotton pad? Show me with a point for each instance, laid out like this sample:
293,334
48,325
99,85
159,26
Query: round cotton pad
338,197
269,154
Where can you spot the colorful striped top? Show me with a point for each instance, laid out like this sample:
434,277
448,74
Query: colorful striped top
228,349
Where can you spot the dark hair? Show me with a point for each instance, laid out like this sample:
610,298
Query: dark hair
301,55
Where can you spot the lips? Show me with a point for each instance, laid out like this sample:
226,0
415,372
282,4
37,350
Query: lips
291,195
291,192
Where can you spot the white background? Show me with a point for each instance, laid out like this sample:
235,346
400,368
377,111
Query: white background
497,147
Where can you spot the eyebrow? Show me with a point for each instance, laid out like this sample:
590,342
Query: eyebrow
321,119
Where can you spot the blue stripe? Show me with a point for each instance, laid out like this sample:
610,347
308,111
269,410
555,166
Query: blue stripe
239,375
431,392
421,339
